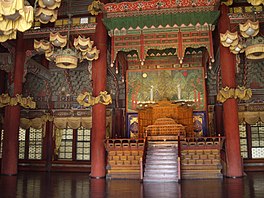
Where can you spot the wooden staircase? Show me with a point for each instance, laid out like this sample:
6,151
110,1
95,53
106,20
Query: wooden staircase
161,162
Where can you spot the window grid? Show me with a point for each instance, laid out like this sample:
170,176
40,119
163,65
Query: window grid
243,140
65,151
35,144
83,144
257,136
21,143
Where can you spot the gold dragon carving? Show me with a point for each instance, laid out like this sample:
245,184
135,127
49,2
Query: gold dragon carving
86,99
27,102
95,8
240,92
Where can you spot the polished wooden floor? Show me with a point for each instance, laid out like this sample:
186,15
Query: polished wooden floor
64,185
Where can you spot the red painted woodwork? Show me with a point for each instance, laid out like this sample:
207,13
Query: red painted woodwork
249,141
144,41
99,110
219,120
154,4
26,145
2,81
180,54
12,115
48,146
230,108
118,124
74,144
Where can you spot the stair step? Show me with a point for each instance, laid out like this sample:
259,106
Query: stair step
162,142
161,166
161,171
163,153
148,162
163,150
155,170
161,157
162,145
160,175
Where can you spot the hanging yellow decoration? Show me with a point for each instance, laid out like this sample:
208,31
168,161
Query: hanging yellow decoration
35,123
14,15
58,137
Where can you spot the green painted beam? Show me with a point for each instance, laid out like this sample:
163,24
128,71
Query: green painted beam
163,19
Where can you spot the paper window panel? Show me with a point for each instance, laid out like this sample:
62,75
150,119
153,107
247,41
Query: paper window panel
243,141
243,134
21,143
35,143
65,150
257,152
83,144
255,143
244,148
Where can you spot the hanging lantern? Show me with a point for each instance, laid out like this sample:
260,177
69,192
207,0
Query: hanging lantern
249,29
46,15
58,40
229,39
50,4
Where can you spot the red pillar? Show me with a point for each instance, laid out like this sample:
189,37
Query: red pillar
12,115
230,108
99,110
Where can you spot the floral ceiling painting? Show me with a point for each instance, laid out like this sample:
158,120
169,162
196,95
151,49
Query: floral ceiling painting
149,86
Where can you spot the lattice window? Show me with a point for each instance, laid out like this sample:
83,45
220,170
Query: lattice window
83,144
257,135
65,151
35,144
243,140
1,142
21,143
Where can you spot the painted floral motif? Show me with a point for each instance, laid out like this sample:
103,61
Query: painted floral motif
154,4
